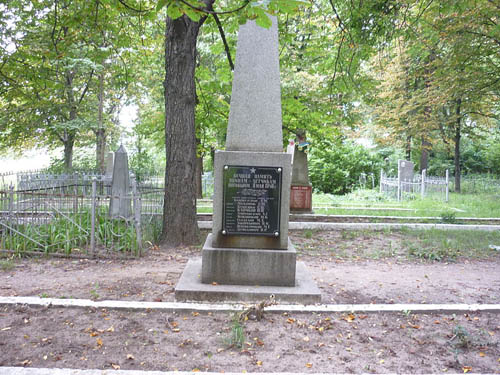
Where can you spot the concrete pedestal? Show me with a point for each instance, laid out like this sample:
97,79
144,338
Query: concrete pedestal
248,266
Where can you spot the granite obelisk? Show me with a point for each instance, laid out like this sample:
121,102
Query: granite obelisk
248,254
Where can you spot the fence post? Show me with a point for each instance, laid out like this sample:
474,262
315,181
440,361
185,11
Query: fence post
400,193
381,180
422,189
137,215
92,215
447,185
11,199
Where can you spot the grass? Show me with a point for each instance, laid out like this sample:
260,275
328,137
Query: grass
372,203
236,336
404,244
7,264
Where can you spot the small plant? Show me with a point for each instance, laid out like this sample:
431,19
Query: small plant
461,337
448,217
308,234
44,295
94,291
7,264
236,336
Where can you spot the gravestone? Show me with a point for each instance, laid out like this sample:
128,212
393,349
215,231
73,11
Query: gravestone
406,173
120,202
301,189
249,245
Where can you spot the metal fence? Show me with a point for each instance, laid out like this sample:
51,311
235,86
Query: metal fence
421,185
69,214
477,184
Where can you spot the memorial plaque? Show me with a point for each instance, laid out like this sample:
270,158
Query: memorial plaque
301,198
252,199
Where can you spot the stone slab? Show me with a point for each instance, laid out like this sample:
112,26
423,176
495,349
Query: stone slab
256,159
255,112
248,266
190,288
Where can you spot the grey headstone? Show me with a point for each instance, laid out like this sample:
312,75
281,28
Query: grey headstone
255,113
405,170
120,202
300,170
110,159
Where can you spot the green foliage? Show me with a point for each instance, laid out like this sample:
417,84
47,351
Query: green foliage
336,167
61,235
236,337
448,217
7,264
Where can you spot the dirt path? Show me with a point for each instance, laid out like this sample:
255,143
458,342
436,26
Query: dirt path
89,338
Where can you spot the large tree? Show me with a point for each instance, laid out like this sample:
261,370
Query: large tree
183,24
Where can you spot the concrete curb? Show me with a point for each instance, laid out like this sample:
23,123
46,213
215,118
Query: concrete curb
299,225
69,371
216,307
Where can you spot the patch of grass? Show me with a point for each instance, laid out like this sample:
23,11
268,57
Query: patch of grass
7,264
308,233
443,245
448,217
94,291
236,337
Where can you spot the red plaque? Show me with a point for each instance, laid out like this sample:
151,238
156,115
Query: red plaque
301,198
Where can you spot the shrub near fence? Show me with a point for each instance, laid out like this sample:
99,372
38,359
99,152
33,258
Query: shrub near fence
69,214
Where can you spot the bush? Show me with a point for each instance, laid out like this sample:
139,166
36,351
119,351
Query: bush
336,167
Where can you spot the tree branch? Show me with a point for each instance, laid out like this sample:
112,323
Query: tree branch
223,37
209,11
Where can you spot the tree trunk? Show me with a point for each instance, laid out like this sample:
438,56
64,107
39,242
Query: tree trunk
101,131
458,136
199,174
408,147
68,152
179,215
424,156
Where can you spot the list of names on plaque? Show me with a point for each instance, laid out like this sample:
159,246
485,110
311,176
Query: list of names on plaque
252,198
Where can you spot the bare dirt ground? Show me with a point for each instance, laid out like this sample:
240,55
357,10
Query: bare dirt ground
360,271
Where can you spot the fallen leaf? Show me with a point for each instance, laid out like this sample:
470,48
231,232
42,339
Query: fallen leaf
466,369
110,329
26,362
306,339
381,361
309,365
194,313
290,320
99,342
259,343
196,370
130,356
481,354
94,334
116,367
6,329
350,318
259,363
214,283
176,330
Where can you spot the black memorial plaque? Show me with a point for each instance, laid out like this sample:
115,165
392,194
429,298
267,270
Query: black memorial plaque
252,200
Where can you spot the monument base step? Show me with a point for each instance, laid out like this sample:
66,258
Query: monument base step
273,267
190,288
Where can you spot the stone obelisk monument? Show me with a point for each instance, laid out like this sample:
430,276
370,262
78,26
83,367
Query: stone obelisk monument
249,244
